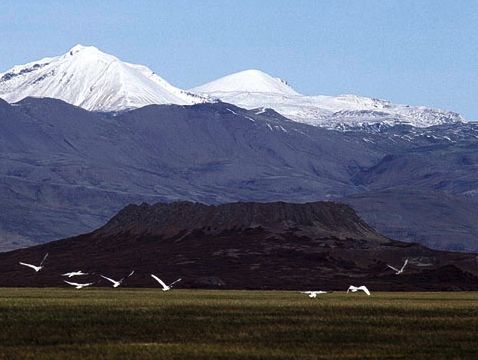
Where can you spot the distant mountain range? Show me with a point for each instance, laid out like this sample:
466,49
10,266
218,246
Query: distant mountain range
319,245
93,80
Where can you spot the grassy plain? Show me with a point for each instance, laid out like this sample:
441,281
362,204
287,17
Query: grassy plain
195,324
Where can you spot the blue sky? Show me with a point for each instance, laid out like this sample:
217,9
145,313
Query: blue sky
416,52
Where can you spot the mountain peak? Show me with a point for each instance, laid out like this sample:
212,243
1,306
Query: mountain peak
80,47
87,77
88,50
251,81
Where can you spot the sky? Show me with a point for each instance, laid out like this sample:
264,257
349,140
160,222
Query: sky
415,52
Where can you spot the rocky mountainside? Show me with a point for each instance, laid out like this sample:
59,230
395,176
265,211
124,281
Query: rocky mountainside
278,245
65,170
319,218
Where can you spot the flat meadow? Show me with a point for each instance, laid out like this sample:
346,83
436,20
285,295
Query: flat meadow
57,323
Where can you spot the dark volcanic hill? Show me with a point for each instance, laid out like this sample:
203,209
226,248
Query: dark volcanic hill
279,245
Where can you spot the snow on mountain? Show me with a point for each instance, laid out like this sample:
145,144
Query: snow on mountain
249,81
93,80
252,89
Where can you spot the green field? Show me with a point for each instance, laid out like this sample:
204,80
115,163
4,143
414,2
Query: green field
181,324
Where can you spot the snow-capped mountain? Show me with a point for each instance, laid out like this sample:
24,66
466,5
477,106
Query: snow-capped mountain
248,81
93,80
252,89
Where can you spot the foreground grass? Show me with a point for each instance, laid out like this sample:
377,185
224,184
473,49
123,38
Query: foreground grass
181,324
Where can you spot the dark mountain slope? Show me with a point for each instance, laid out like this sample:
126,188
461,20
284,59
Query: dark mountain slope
432,218
451,168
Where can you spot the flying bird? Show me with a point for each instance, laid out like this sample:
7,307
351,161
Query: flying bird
34,267
163,285
74,273
399,271
313,294
77,285
355,289
119,282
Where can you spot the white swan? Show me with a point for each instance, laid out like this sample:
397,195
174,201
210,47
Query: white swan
162,283
313,294
399,271
34,267
119,282
77,285
355,289
74,273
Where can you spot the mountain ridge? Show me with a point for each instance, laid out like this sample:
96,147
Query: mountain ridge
264,91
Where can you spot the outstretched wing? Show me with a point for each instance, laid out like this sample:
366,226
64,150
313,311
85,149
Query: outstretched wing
44,258
393,268
28,265
123,279
71,283
404,265
365,290
107,278
174,282
161,282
